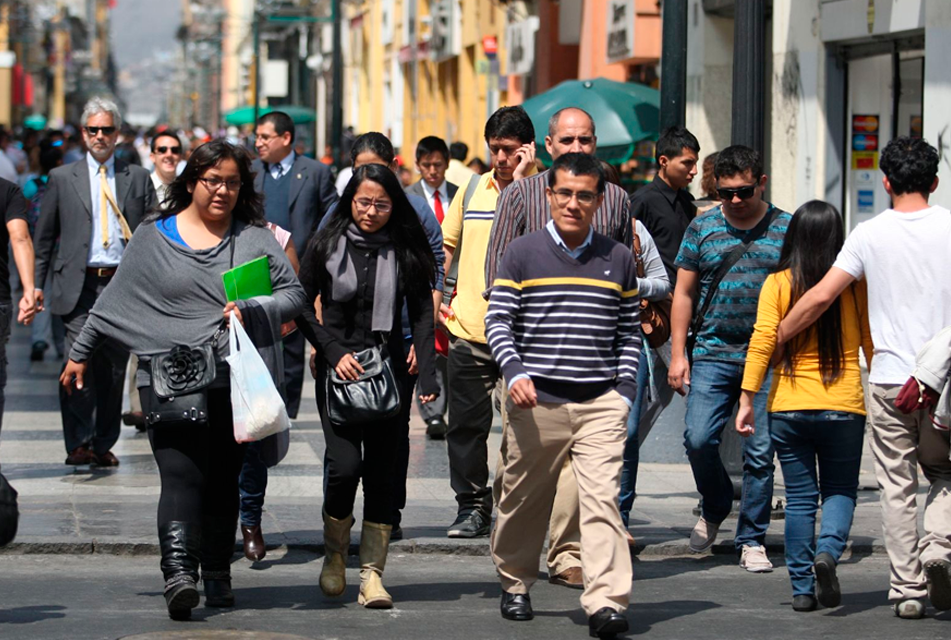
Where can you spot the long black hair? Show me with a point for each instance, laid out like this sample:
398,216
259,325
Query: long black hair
417,264
249,208
813,240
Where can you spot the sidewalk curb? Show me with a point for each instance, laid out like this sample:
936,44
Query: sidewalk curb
422,547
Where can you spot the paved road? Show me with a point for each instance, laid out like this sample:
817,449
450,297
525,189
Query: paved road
437,597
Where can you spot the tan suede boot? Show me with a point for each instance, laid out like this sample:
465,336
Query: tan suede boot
374,545
333,575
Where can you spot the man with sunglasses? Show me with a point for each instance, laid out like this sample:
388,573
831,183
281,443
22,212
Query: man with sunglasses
90,208
166,154
724,258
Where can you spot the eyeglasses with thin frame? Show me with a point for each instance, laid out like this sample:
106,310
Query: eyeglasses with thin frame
176,150
364,204
214,184
564,196
743,193
94,131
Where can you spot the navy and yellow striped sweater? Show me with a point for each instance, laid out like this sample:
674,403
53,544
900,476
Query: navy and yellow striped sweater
571,325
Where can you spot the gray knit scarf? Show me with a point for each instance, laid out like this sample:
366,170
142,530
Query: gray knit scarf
344,275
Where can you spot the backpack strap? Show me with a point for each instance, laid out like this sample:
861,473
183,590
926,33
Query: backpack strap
449,282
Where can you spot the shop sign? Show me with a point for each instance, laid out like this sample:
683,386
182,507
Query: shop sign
866,201
520,46
620,30
865,141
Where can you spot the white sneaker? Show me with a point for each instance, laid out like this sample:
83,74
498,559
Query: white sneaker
754,559
910,609
703,536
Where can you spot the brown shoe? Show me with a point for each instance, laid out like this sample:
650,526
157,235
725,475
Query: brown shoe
108,459
571,578
133,418
254,549
80,455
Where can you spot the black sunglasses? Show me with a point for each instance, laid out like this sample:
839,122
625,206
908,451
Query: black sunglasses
743,193
94,131
175,150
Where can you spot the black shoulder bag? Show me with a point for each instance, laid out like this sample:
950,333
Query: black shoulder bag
178,393
732,258
372,397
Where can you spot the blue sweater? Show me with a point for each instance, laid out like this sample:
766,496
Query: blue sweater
569,324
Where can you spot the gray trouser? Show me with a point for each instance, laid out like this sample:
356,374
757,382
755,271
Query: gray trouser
91,416
472,377
437,408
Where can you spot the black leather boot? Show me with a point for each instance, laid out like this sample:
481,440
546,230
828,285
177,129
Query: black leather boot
217,549
180,543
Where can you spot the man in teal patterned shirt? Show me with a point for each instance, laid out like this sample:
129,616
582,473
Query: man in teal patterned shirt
714,371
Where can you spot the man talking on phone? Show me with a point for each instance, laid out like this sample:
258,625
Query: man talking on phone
472,373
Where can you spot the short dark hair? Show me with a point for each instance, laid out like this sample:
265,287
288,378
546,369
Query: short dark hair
510,122
50,158
910,164
431,144
165,134
281,121
736,160
672,142
577,164
374,142
459,151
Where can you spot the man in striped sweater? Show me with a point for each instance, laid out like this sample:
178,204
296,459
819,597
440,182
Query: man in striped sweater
563,327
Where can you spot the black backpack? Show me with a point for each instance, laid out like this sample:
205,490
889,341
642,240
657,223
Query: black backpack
9,514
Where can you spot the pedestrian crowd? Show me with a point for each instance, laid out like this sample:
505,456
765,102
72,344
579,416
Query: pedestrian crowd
548,295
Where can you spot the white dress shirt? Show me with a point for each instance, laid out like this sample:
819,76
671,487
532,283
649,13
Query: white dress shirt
430,198
100,256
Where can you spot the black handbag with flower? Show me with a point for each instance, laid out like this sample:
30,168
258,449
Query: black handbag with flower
180,379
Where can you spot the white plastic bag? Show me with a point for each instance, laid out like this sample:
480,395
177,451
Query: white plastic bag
257,406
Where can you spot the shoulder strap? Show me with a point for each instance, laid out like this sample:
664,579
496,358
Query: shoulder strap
734,256
449,282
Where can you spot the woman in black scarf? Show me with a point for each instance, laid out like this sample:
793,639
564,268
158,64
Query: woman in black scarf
372,254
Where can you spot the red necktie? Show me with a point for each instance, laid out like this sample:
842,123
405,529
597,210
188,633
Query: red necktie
437,202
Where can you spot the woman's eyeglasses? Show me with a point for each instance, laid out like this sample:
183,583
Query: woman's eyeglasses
214,184
381,206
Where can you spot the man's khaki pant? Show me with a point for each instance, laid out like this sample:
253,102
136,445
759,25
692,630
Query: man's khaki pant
564,532
900,443
538,442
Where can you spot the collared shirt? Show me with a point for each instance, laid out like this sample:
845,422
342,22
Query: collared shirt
523,208
161,189
100,256
666,213
577,251
283,167
430,197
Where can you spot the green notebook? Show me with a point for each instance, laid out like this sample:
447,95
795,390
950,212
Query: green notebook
248,280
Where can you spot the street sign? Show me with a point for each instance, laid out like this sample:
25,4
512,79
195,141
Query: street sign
620,30
490,45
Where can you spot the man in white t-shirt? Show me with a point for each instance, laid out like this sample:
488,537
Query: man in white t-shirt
904,253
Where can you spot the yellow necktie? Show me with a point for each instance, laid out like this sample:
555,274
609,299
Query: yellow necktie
106,199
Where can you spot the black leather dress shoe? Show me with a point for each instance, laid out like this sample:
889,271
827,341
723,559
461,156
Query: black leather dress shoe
517,606
606,623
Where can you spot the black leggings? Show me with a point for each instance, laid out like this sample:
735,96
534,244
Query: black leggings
354,452
199,466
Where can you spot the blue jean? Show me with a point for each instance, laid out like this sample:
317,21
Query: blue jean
252,485
833,439
714,392
632,444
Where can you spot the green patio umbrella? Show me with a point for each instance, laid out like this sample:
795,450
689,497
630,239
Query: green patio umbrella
625,113
36,121
245,115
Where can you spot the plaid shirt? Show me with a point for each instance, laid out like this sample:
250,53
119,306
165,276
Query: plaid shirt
523,208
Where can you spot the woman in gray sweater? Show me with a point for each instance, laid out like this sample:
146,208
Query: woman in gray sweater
168,292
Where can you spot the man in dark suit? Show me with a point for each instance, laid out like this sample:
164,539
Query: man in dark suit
297,191
91,207
432,160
